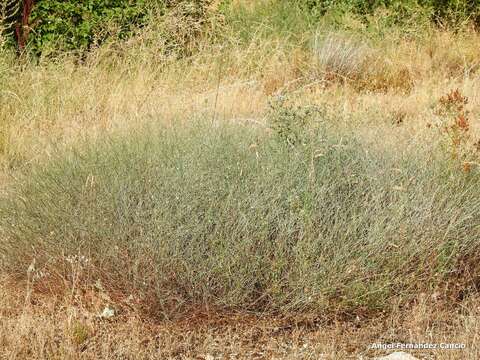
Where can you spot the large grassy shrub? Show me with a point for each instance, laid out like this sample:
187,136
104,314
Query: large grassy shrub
231,217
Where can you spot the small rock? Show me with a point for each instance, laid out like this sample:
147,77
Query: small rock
400,355
107,313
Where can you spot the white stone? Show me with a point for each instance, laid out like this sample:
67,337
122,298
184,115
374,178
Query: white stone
107,313
397,356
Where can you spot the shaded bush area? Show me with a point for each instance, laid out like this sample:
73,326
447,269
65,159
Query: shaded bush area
77,25
440,11
230,217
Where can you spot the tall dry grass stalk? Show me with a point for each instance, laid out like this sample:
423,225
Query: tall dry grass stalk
58,102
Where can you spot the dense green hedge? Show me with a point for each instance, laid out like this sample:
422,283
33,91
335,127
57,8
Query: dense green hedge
440,11
77,24
70,25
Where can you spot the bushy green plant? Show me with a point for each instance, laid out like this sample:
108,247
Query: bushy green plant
454,11
289,122
76,25
451,11
226,216
58,26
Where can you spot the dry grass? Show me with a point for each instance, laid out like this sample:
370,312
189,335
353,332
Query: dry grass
68,327
57,103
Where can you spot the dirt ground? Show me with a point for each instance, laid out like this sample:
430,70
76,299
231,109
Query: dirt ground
79,325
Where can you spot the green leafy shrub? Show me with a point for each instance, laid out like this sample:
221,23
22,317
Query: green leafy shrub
290,123
76,25
454,11
451,11
58,26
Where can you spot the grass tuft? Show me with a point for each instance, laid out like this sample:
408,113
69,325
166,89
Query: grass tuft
227,216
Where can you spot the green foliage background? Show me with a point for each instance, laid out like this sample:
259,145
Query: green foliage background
439,8
70,25
78,24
